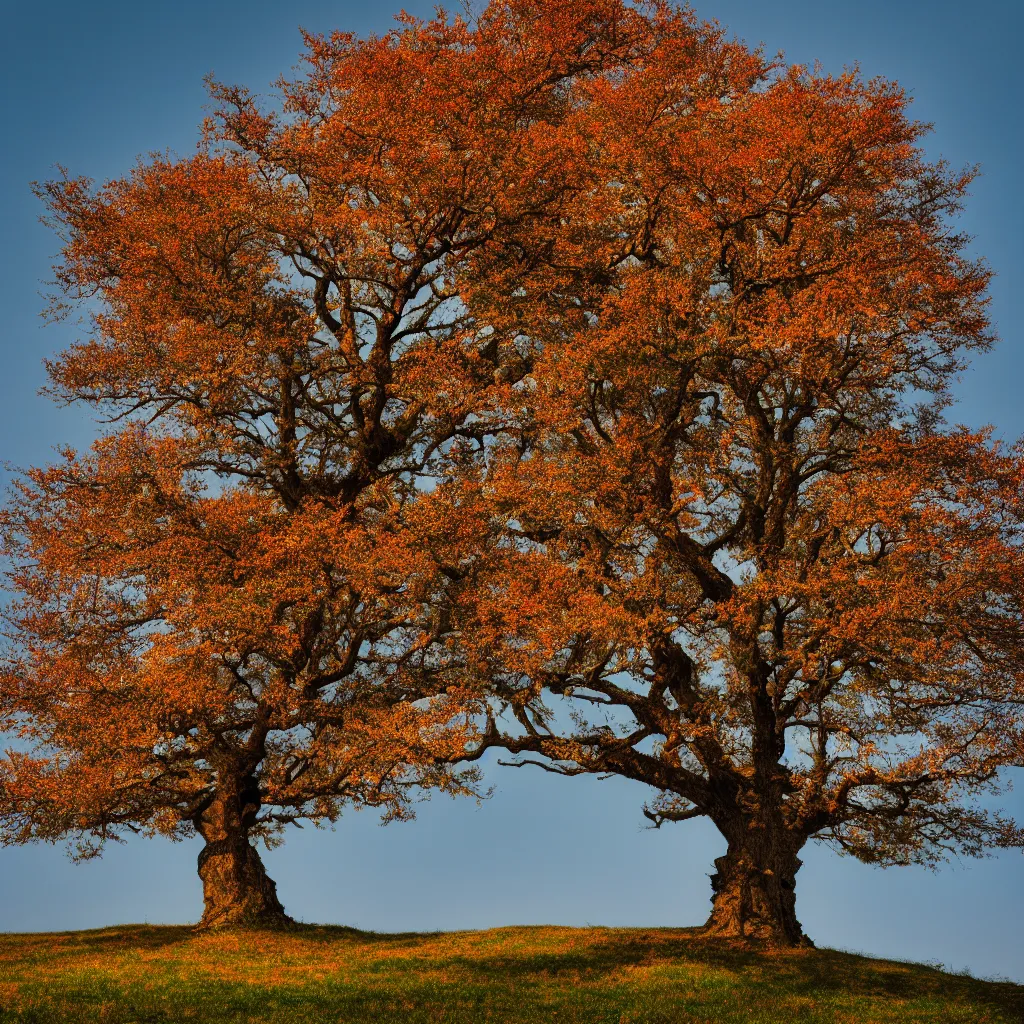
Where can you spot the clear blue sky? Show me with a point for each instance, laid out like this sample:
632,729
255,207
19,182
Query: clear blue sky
92,86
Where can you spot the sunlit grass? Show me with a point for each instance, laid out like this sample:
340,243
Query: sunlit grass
136,974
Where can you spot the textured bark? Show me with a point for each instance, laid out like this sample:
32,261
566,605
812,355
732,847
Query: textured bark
236,887
755,891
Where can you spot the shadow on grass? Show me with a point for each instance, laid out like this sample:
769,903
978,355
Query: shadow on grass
814,973
155,936
129,936
802,973
599,952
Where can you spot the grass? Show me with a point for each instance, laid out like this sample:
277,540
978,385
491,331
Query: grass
144,975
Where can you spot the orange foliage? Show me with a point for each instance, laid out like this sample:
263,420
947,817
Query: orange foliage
232,613
576,361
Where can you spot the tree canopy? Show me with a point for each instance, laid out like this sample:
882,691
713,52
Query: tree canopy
231,614
740,555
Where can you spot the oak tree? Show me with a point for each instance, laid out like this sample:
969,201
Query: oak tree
740,555
231,614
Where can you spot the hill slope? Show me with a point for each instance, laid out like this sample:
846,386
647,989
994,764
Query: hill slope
136,974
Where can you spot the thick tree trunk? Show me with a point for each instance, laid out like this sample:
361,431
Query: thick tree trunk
755,890
236,887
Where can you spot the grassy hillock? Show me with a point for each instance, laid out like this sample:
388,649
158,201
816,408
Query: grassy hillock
136,974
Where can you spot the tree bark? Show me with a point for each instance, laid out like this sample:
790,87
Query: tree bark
755,890
236,887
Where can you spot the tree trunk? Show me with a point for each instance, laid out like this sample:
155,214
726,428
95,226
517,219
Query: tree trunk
236,887
755,890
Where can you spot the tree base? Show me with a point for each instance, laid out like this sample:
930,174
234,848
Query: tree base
265,922
755,905
279,924
237,891
755,938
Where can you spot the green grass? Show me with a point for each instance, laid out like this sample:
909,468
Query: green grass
143,975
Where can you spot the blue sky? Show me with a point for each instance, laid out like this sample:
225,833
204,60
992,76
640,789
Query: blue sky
92,87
